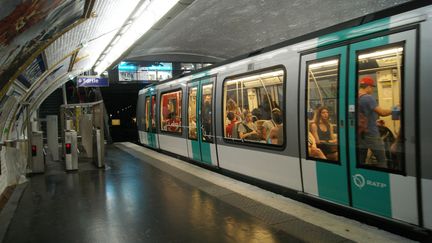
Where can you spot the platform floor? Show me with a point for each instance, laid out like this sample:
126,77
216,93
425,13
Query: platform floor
145,196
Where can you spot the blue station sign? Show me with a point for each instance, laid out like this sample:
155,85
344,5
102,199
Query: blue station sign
92,81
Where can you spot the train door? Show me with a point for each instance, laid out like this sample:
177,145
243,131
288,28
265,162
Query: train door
151,119
358,131
381,130
200,121
322,125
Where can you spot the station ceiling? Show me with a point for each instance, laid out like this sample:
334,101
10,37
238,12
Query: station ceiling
212,31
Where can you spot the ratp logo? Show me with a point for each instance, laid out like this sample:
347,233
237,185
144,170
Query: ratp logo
359,180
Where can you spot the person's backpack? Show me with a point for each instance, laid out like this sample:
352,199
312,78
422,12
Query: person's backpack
362,122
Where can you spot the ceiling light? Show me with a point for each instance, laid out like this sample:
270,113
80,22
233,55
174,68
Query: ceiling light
147,15
324,64
381,53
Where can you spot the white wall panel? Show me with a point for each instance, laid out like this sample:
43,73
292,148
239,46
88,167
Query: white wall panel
271,167
310,182
404,198
173,144
427,202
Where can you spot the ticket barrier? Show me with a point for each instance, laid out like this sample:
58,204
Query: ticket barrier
37,153
71,150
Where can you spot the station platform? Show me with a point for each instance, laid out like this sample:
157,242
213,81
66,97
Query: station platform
146,196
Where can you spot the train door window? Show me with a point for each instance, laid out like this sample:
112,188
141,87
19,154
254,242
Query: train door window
206,113
171,112
379,128
153,113
254,108
322,109
147,113
192,113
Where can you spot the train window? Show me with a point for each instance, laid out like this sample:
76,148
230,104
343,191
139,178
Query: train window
147,113
192,113
171,112
206,111
380,142
153,113
254,107
322,109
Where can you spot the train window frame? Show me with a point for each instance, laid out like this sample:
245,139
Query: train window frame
187,113
176,134
402,171
241,142
306,123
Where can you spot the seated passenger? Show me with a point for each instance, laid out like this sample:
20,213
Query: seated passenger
248,130
313,150
229,128
323,134
276,133
192,128
267,127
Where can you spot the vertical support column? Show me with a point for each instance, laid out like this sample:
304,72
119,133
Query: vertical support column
29,134
64,94
52,136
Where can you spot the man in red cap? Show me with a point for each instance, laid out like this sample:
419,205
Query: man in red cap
368,107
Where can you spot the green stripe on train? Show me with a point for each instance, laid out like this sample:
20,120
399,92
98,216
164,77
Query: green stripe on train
196,153
206,153
366,29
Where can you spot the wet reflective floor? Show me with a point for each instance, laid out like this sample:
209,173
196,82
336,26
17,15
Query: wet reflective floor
131,201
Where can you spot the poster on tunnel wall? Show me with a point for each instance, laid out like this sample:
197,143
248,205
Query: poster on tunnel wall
27,25
60,70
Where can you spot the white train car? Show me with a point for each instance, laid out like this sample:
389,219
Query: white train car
342,118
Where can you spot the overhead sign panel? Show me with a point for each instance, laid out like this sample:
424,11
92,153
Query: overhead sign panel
92,81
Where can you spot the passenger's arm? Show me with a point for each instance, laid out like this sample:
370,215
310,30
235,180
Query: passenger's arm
314,131
382,111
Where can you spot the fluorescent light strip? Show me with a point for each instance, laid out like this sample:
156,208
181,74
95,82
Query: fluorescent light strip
259,76
153,12
381,53
323,64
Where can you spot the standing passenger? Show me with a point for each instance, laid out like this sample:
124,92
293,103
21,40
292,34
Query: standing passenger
368,107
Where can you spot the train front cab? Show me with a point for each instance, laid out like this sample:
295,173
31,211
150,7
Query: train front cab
382,180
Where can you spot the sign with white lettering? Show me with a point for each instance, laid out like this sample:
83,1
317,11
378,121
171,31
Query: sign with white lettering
92,81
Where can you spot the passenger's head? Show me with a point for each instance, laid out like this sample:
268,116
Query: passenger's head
256,112
231,105
277,116
231,116
322,115
367,83
207,99
249,117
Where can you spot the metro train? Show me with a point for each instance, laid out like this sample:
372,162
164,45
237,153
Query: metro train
294,116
